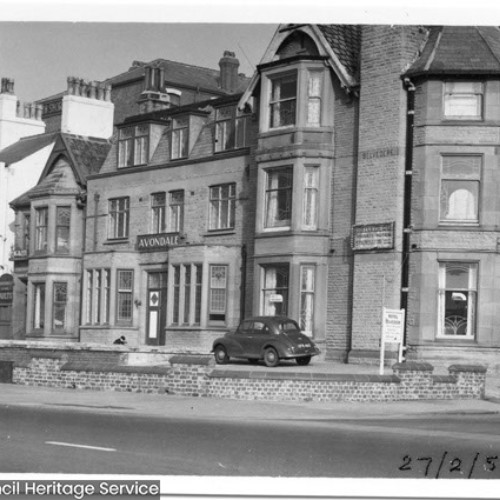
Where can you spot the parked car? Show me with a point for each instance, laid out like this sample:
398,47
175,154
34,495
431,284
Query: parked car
268,338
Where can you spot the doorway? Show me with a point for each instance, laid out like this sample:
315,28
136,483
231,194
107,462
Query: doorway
156,308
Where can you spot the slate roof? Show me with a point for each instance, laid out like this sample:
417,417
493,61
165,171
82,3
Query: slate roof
181,74
85,154
345,41
459,50
24,147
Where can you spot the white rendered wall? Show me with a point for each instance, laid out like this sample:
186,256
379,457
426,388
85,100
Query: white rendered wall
15,180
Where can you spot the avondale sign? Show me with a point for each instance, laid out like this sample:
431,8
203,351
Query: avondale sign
157,242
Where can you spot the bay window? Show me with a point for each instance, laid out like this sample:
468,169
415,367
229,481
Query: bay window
60,301
38,306
275,280
283,100
463,100
63,218
307,289
41,226
278,197
311,186
457,299
314,86
460,183
97,296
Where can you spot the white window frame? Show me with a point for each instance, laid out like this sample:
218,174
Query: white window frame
269,288
307,298
97,283
276,101
122,291
116,211
311,198
133,146
474,176
158,212
217,202
471,297
176,211
457,90
271,201
179,138
41,229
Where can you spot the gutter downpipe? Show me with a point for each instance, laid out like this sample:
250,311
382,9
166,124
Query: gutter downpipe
407,227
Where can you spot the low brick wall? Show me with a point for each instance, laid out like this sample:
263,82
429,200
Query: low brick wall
196,375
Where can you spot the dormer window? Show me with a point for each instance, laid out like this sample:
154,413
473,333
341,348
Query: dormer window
179,147
133,145
230,129
283,101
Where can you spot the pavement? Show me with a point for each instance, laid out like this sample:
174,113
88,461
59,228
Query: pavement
171,406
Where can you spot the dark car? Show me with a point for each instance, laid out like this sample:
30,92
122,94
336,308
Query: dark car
268,338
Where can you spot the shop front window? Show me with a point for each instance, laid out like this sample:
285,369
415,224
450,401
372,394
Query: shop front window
275,289
457,299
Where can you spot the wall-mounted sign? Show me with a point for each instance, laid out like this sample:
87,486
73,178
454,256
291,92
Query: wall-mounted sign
6,289
276,297
156,242
373,236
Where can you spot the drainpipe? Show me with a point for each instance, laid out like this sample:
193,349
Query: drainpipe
243,285
407,228
81,203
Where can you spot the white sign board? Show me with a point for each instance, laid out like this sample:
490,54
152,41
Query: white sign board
276,297
393,324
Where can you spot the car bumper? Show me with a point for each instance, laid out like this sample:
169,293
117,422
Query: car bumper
301,354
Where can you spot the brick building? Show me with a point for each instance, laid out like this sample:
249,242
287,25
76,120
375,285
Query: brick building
356,170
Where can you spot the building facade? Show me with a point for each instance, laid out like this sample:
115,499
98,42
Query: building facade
356,170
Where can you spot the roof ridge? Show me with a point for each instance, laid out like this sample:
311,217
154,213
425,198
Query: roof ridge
478,28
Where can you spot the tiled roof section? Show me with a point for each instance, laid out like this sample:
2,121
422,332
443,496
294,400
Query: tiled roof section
464,50
25,147
180,74
345,41
88,154
60,180
165,114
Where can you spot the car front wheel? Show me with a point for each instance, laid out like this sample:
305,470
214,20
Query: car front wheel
271,357
303,361
220,354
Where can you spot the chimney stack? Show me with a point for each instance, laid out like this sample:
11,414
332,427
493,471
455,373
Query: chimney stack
87,109
155,96
229,72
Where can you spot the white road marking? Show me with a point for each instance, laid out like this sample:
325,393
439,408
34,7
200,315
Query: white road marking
74,445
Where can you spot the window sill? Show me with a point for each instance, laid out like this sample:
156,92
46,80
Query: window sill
458,224
116,241
219,232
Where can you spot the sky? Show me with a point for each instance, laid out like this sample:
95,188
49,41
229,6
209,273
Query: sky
43,42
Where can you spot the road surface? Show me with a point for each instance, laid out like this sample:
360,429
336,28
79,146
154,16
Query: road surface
65,440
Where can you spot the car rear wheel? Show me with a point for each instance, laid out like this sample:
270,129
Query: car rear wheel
220,354
271,357
303,361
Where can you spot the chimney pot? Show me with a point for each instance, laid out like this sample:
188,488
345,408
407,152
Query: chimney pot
229,71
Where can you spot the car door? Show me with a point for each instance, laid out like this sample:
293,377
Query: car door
242,338
259,337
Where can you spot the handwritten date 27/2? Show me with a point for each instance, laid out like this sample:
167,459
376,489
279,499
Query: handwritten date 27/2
450,465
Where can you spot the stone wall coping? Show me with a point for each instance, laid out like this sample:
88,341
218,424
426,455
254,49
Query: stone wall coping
191,359
413,366
327,377
114,368
94,347
467,368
